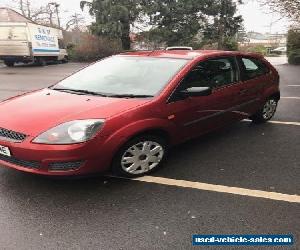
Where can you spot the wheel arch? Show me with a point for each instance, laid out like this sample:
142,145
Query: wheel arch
160,132
275,95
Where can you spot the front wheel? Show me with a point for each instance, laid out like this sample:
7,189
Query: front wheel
140,156
9,63
266,112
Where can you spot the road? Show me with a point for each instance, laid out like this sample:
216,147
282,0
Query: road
162,213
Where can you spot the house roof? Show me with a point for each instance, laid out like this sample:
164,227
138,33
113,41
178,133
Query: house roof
9,15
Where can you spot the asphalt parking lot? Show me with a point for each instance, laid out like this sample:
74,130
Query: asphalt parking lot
161,211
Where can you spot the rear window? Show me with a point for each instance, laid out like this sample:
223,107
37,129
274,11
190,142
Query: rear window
252,68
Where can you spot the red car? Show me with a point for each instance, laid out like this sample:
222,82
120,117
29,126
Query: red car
124,112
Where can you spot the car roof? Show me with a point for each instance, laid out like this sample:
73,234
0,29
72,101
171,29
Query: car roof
187,54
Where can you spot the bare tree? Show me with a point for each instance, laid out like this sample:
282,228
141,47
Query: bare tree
56,6
24,7
47,14
288,8
42,14
75,23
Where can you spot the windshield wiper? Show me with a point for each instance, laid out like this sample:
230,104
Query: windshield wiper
80,91
87,92
130,96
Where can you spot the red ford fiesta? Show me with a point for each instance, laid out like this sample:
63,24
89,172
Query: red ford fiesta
124,112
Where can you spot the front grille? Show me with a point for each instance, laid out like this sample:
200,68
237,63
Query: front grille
11,135
65,166
21,163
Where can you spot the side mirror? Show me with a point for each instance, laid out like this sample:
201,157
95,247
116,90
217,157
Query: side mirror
197,91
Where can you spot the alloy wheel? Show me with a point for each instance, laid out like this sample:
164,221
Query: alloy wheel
142,157
269,109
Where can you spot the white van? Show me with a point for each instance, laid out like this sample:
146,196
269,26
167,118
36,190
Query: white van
29,42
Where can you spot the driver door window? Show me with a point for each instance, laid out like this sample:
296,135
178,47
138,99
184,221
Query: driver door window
212,73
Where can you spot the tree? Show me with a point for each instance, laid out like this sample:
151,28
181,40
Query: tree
186,22
225,26
42,14
174,22
288,8
115,18
177,22
75,22
293,46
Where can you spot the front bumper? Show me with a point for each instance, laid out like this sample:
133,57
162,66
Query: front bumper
58,160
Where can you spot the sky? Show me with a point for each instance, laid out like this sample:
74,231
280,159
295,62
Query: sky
256,17
259,18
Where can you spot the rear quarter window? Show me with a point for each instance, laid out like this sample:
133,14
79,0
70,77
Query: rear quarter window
252,68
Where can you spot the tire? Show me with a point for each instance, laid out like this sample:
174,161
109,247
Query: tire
267,112
41,62
9,63
65,60
137,151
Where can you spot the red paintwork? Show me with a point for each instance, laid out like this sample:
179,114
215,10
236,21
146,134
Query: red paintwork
38,111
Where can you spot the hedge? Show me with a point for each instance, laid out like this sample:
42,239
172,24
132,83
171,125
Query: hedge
92,48
293,46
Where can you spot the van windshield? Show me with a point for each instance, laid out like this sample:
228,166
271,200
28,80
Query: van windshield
124,75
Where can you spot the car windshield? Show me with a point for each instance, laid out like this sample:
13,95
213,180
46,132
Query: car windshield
123,76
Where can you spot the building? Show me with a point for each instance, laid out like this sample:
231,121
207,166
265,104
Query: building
267,40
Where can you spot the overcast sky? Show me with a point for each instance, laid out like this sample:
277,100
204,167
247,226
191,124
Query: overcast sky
256,18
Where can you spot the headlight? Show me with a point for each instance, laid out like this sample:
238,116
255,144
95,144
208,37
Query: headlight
71,132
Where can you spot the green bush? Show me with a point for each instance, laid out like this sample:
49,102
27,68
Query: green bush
260,49
293,46
294,57
230,44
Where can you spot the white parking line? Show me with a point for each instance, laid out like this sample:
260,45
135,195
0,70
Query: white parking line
293,85
278,122
220,189
285,123
290,97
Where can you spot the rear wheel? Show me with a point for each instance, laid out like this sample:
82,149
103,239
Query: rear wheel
266,112
9,63
65,60
140,156
41,62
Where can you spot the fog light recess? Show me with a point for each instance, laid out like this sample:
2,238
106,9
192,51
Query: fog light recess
65,166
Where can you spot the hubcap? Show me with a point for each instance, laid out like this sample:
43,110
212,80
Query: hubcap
269,109
142,157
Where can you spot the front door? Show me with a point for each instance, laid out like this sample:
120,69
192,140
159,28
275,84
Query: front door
197,115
